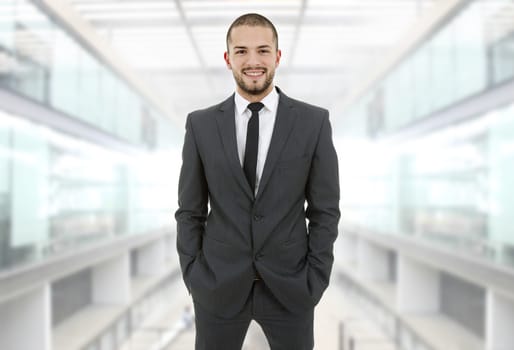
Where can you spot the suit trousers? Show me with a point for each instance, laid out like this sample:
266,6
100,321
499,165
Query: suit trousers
283,330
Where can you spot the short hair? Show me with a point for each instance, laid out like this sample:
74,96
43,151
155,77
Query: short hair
253,20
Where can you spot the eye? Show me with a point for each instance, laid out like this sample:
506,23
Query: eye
264,51
240,52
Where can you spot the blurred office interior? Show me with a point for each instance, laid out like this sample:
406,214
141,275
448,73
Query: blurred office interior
93,100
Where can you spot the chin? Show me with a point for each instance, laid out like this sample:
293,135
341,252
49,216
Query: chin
257,91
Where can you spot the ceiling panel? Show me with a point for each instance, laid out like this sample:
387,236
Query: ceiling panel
178,45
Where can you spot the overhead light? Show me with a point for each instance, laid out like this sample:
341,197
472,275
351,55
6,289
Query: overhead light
132,15
126,6
247,5
234,13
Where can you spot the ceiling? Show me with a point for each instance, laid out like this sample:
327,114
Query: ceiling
177,46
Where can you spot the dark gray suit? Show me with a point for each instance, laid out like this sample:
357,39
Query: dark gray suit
223,249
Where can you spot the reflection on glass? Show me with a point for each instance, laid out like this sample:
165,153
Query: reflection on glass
472,52
452,187
6,25
499,31
64,78
32,47
441,48
58,193
5,205
470,67
42,61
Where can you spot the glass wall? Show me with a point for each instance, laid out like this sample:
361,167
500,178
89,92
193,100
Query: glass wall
42,61
473,52
58,193
5,180
500,38
452,187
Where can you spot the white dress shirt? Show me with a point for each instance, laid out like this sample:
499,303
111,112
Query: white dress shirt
267,116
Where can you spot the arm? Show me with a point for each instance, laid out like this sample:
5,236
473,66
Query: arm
192,201
322,195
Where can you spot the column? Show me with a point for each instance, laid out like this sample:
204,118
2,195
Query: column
111,281
151,258
499,322
372,261
26,321
418,286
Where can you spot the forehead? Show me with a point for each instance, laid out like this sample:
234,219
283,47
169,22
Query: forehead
251,36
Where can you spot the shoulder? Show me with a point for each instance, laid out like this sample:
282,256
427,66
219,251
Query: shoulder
201,115
209,113
308,109
310,116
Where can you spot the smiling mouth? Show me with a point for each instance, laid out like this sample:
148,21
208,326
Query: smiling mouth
254,73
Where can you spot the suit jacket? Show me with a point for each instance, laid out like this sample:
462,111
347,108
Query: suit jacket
225,233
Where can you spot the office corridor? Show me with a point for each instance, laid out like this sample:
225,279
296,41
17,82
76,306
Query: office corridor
94,96
166,331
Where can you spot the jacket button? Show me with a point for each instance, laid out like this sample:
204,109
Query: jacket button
257,217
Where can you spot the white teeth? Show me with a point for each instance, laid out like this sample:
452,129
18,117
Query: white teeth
253,74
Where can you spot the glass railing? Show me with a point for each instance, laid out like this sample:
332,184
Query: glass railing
451,187
40,60
471,53
58,193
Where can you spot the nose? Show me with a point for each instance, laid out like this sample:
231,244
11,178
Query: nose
253,58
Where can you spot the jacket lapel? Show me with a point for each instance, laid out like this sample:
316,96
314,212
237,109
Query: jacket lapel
283,125
227,131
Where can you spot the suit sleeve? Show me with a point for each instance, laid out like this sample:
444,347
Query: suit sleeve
192,202
322,210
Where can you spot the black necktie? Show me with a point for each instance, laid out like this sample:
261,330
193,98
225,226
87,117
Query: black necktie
252,144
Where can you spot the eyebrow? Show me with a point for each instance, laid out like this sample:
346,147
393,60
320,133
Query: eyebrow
259,47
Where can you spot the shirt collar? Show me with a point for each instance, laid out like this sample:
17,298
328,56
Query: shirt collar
270,102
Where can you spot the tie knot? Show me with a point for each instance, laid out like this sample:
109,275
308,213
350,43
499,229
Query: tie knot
255,106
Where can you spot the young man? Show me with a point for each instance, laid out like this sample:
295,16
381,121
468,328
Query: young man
255,159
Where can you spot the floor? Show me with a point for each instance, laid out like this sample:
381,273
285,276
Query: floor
167,330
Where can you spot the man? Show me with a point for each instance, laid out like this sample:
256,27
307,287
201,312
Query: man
255,160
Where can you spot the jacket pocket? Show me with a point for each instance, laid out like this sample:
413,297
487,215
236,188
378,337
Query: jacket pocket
294,241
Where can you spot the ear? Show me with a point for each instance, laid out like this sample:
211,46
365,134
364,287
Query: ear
227,60
279,55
